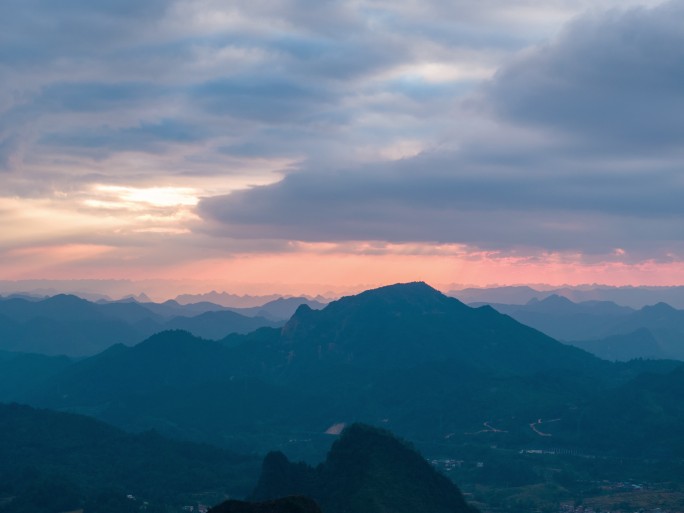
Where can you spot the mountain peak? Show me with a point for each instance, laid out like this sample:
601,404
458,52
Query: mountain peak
406,323
556,299
659,308
415,294
412,287
66,300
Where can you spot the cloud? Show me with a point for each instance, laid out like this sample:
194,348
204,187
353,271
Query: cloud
587,111
35,32
146,136
613,78
217,97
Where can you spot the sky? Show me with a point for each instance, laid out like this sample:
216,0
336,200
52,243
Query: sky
308,146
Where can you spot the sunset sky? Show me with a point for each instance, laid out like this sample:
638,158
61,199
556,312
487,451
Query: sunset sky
314,146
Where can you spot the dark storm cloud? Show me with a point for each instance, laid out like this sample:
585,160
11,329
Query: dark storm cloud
602,96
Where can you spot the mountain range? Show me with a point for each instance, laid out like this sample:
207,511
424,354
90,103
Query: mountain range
604,328
633,297
71,326
400,340
247,302
423,364
466,384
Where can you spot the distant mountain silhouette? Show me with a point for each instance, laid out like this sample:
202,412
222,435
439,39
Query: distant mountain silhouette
280,309
564,320
227,299
169,309
518,295
367,471
69,325
606,329
294,504
639,344
217,325
633,297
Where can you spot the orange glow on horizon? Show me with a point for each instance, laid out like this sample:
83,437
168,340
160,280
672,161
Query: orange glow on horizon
364,271
315,269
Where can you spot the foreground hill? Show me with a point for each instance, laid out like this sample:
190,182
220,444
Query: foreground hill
53,462
366,471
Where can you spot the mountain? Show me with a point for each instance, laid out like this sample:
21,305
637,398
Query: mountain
217,325
180,385
295,504
169,309
564,320
393,327
367,470
47,456
167,359
663,321
69,325
408,324
646,412
639,344
633,297
468,384
281,308
226,299
20,373
72,308
427,364
509,295
605,329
